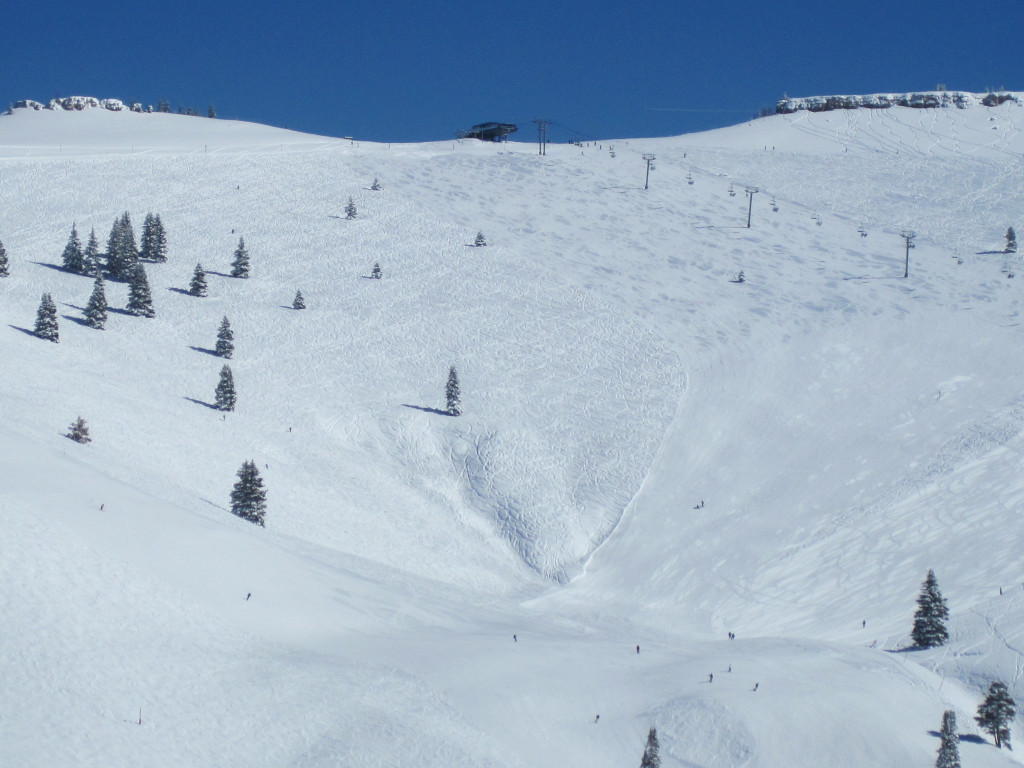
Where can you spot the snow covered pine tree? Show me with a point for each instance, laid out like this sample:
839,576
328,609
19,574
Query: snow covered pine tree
225,337
198,285
930,618
480,240
140,298
350,209
1011,241
46,320
652,752
96,309
996,713
452,395
5,264
91,256
225,392
248,497
240,266
949,744
154,240
298,302
73,260
375,273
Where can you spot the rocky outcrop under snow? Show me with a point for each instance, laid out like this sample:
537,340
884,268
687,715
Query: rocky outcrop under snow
78,103
919,100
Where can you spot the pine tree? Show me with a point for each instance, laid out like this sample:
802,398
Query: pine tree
350,209
996,713
122,253
79,431
298,302
46,320
480,240
154,241
5,264
1011,241
452,395
140,299
240,266
375,273
210,112
652,752
198,285
375,186
72,259
931,615
91,255
159,240
96,309
225,392
225,348
248,497
949,744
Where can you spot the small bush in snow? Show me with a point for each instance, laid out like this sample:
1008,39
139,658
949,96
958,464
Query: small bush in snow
79,431
480,240
350,209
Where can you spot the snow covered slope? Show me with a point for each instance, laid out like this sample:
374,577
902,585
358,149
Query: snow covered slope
845,428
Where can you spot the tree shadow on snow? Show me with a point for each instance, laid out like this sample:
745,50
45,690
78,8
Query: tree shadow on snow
181,291
24,330
119,311
211,406
214,504
995,253
220,274
205,351
438,411
74,319
56,267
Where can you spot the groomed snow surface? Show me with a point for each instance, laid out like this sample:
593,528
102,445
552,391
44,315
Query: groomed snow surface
432,590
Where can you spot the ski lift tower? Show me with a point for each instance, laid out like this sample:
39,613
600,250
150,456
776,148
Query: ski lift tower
751,191
648,159
908,236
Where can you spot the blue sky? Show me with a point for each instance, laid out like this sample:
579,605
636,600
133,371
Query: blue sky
393,70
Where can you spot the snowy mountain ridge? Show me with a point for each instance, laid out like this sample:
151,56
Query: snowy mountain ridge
654,456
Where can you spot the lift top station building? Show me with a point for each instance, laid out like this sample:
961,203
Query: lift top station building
488,131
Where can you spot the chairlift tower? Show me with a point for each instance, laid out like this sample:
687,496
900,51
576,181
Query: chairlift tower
542,135
751,191
648,159
908,236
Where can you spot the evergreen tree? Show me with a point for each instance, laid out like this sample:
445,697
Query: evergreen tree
96,309
5,264
949,744
91,255
72,259
78,431
248,497
375,273
122,253
140,299
225,348
996,713
225,392
154,240
451,393
652,752
375,186
298,302
480,240
210,112
1011,241
46,320
930,618
350,209
198,285
240,266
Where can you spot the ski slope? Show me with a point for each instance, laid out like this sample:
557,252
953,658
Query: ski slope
846,430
